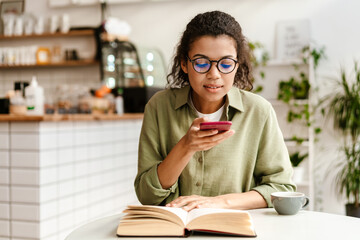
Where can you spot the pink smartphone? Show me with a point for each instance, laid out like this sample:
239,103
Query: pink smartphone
221,126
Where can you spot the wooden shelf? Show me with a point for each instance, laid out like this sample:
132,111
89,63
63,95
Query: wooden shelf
72,33
293,102
77,63
292,143
70,117
284,63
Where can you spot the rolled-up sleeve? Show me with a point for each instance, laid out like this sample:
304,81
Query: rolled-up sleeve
273,170
147,185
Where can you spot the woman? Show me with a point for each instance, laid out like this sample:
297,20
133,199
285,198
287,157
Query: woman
181,166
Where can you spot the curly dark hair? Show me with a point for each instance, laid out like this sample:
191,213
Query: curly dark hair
214,24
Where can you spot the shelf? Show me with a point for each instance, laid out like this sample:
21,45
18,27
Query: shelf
292,102
72,33
302,184
285,63
78,63
292,143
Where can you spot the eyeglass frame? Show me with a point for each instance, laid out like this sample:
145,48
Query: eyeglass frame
212,61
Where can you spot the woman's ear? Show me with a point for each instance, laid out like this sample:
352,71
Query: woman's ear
184,66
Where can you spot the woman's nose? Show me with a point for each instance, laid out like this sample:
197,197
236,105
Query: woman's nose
214,72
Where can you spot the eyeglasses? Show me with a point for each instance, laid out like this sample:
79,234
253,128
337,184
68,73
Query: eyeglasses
224,65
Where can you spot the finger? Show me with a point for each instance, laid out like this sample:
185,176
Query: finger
207,133
222,136
197,121
183,200
192,205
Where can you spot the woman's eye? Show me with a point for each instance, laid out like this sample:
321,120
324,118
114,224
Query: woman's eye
225,65
202,65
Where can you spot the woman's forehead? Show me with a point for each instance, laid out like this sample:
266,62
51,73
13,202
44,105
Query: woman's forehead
214,47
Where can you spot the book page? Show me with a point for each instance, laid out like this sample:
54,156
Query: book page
179,212
182,214
198,212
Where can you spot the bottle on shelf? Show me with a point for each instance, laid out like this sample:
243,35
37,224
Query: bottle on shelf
34,95
17,102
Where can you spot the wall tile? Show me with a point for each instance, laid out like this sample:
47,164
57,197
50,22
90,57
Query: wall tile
80,216
48,175
80,185
4,176
48,141
24,127
65,139
48,192
66,205
25,177
22,212
24,141
80,169
48,158
66,221
25,159
65,126
65,188
65,155
47,127
4,193
4,229
4,127
25,229
4,211
48,227
4,158
48,210
25,194
4,141
81,138
65,172
80,153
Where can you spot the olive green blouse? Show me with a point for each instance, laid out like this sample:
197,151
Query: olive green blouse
254,158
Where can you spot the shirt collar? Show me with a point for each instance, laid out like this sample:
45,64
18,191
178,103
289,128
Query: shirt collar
234,98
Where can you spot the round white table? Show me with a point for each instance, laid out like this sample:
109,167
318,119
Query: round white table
306,225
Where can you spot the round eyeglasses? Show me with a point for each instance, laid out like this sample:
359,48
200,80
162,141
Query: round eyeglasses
224,65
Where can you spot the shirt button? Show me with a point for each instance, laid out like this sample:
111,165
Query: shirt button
198,184
200,160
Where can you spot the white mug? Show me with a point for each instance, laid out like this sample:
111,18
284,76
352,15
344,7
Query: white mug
65,23
54,23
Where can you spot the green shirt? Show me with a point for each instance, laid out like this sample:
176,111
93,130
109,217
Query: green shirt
254,158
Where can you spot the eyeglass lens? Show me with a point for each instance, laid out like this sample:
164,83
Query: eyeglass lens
225,65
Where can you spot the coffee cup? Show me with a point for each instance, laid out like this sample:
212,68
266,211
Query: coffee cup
288,203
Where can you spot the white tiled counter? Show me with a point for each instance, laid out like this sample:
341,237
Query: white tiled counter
58,175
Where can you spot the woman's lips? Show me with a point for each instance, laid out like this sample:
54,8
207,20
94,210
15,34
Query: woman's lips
213,86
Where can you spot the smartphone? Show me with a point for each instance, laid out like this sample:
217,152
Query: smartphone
221,126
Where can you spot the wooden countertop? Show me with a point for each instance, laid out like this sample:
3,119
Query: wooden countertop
69,117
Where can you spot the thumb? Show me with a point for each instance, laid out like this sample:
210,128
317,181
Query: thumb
197,121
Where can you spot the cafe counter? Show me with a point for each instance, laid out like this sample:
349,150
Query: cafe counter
58,172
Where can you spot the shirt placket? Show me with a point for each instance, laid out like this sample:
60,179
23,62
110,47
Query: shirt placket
199,181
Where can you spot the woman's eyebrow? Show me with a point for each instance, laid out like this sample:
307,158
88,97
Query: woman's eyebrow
204,56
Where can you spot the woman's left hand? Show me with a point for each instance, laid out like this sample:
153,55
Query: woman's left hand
194,201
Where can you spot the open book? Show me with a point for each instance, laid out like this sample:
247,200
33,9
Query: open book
168,221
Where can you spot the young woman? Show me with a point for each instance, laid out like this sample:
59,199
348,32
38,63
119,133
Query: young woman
183,166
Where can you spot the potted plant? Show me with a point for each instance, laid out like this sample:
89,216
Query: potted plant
259,58
296,158
344,108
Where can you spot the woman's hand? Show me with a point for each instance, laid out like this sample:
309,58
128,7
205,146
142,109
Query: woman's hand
197,140
194,201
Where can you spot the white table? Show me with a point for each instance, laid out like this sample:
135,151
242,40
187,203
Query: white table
306,225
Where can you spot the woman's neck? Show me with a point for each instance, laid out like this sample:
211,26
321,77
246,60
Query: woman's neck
206,107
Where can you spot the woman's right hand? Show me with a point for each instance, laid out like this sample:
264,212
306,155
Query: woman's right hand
201,140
